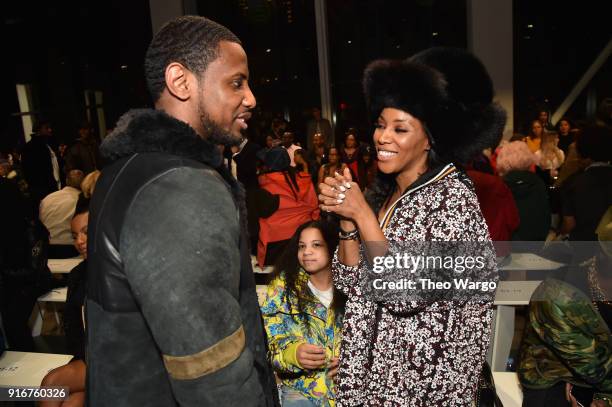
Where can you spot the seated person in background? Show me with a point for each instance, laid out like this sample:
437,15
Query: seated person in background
10,170
534,137
24,275
529,191
543,117
316,156
89,183
566,354
573,163
84,154
351,155
72,375
585,196
56,210
496,203
318,125
303,317
333,165
288,138
269,141
246,162
301,165
370,164
297,203
550,158
566,135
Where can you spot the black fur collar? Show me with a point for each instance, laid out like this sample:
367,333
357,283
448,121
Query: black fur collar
148,131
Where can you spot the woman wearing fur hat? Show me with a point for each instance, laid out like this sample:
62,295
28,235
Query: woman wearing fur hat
430,111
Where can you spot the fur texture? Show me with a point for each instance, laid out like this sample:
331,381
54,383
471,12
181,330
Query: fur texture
449,90
148,131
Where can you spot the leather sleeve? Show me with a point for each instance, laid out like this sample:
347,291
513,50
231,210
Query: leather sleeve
179,244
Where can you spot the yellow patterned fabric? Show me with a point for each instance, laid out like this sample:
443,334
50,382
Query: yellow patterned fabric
286,330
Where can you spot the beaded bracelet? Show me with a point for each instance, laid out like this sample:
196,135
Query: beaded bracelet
352,235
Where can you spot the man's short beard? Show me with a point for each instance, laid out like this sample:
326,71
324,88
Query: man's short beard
214,133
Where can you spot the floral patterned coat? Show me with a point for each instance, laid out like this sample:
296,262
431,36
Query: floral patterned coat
286,332
430,354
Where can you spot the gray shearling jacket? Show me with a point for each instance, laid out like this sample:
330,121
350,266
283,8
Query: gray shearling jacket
172,316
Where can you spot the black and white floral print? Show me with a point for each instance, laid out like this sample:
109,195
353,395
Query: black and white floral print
433,355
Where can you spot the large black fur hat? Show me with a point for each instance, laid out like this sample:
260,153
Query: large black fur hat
449,90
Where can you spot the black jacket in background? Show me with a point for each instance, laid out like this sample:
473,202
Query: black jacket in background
246,164
37,167
531,198
24,274
586,196
73,317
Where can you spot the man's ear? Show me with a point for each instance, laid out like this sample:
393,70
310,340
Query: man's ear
179,81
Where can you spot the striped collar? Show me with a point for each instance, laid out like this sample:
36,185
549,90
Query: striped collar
448,169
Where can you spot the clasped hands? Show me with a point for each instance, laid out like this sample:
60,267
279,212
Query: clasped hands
313,357
340,195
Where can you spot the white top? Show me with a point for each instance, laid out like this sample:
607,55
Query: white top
233,166
291,151
56,169
325,296
56,212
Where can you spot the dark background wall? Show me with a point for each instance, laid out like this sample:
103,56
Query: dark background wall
62,49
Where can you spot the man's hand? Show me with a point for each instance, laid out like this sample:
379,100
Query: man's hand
310,356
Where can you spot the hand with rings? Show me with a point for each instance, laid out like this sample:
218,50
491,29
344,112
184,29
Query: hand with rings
340,195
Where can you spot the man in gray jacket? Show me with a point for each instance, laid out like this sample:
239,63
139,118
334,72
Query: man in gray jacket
172,313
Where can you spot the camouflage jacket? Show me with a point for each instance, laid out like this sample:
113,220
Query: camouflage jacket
566,339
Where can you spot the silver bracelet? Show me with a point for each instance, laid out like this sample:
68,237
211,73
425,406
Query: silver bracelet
352,235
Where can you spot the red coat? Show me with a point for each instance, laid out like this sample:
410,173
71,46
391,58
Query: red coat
497,205
291,213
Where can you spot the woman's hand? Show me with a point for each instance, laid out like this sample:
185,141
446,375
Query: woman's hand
569,396
310,356
340,195
333,368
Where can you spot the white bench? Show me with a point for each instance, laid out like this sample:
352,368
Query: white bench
508,389
28,369
63,266
57,295
259,270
